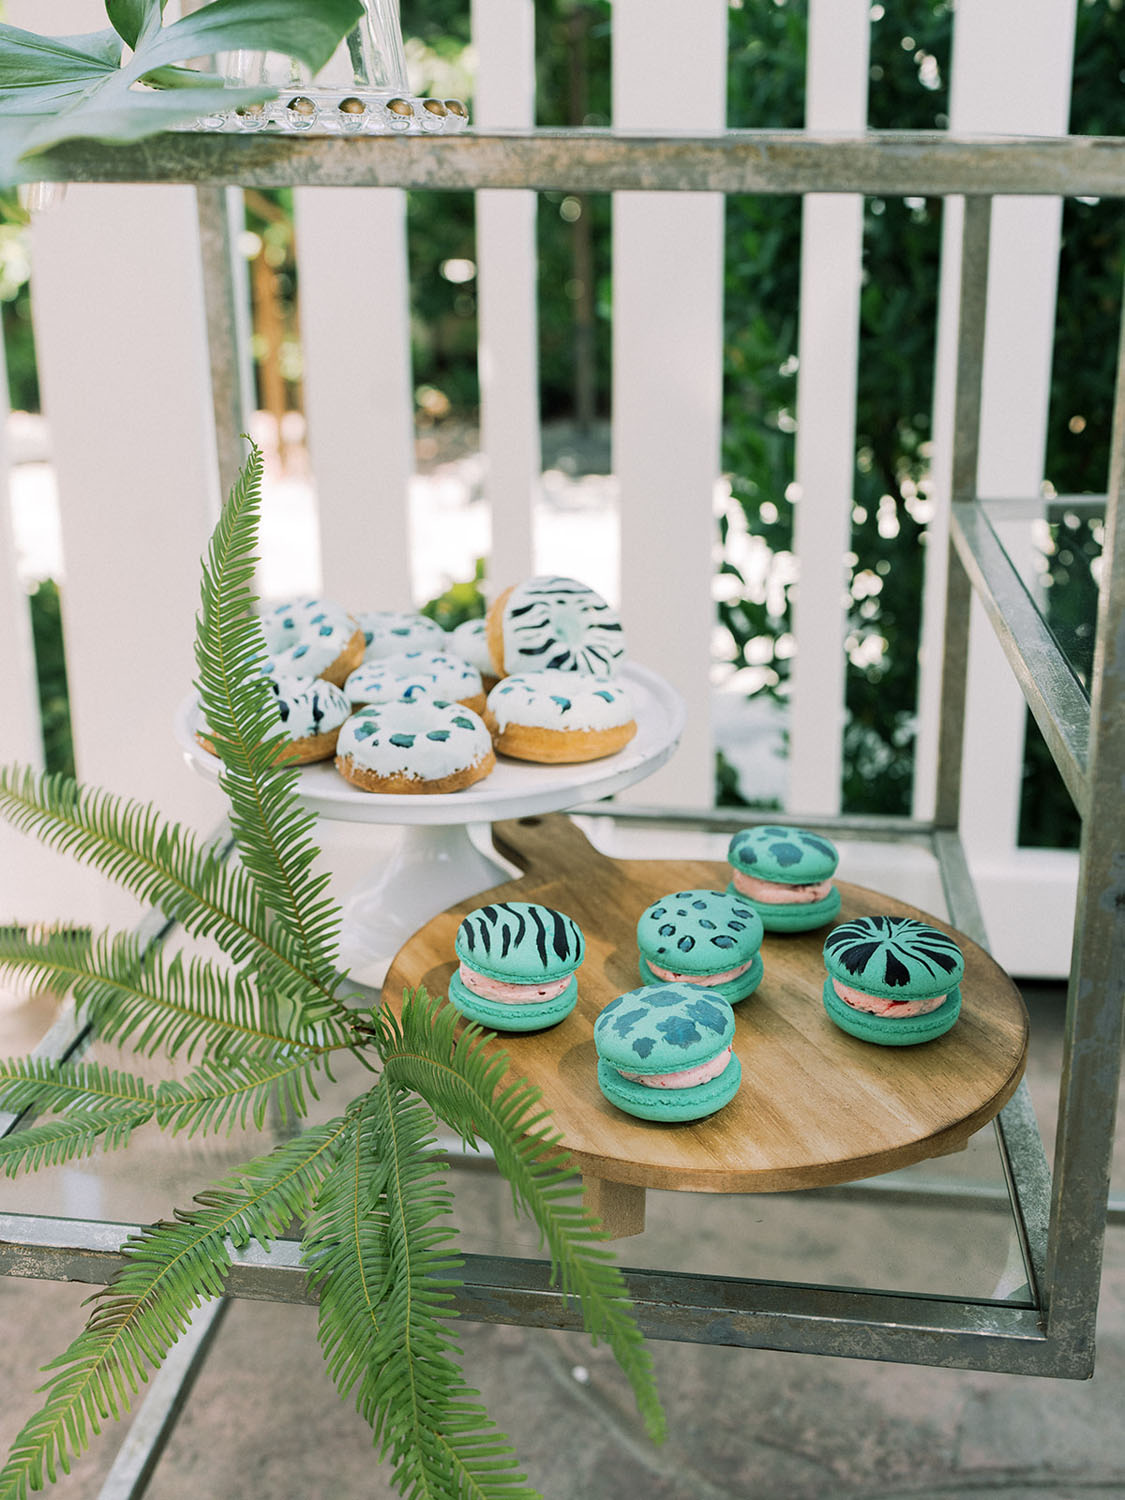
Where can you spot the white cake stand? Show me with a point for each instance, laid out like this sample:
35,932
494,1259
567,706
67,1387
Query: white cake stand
436,863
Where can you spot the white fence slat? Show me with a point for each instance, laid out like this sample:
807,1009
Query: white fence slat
355,334
667,370
118,307
507,316
828,351
22,737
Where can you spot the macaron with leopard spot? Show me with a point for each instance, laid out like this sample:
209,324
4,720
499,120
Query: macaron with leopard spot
413,674
786,875
892,980
559,717
664,1053
312,638
704,938
420,745
517,963
554,624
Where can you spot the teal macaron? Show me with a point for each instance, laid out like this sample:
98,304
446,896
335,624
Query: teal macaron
698,937
513,947
893,966
677,1037
776,871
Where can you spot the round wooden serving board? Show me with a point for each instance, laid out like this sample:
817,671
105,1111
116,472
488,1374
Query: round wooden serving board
816,1106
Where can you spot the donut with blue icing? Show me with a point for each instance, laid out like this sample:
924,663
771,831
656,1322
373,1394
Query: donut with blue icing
559,716
414,674
554,624
389,632
312,638
414,745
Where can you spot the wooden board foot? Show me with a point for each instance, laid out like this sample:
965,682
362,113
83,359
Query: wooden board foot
619,1205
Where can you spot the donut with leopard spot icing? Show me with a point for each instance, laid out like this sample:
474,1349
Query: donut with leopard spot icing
312,638
559,717
414,745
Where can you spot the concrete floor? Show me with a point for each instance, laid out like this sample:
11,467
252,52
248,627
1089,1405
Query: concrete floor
264,1419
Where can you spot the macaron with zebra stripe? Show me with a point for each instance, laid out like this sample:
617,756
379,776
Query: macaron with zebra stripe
705,938
892,980
517,963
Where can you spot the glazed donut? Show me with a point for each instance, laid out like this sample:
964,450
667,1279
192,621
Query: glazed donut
414,745
470,640
311,711
554,624
430,674
312,638
559,716
388,632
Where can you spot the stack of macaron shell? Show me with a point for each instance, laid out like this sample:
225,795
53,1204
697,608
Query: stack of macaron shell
517,963
664,1052
786,875
704,938
892,980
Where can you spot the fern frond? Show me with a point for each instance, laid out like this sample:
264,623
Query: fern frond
164,866
172,1269
77,1134
377,1249
136,995
238,1092
464,1086
272,828
58,1087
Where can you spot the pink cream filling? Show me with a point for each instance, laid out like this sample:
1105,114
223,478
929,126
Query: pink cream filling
702,1073
772,893
880,1005
508,993
703,979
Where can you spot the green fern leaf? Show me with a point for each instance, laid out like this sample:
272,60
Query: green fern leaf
133,994
79,1133
164,866
378,1252
272,829
238,1092
464,1086
172,1269
58,1087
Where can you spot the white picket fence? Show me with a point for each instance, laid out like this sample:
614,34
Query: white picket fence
120,334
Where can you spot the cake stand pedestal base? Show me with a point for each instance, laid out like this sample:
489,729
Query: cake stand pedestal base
432,868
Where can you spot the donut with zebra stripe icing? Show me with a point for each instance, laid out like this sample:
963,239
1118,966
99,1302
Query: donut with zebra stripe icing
310,711
517,963
558,624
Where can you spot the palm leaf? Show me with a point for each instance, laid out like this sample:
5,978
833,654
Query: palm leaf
238,1092
272,829
162,865
464,1086
172,1268
47,1086
377,1249
130,993
77,1134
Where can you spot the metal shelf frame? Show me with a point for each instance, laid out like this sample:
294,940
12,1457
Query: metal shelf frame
1059,1214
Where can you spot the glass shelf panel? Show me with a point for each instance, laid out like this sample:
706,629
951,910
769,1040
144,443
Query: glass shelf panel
1055,545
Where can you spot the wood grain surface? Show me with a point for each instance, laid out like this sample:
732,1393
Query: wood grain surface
816,1106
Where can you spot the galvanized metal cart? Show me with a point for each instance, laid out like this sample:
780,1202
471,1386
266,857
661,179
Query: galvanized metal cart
1059,1213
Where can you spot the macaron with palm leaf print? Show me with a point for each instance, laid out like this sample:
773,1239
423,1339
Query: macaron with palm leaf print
517,963
705,938
664,1052
786,875
892,980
